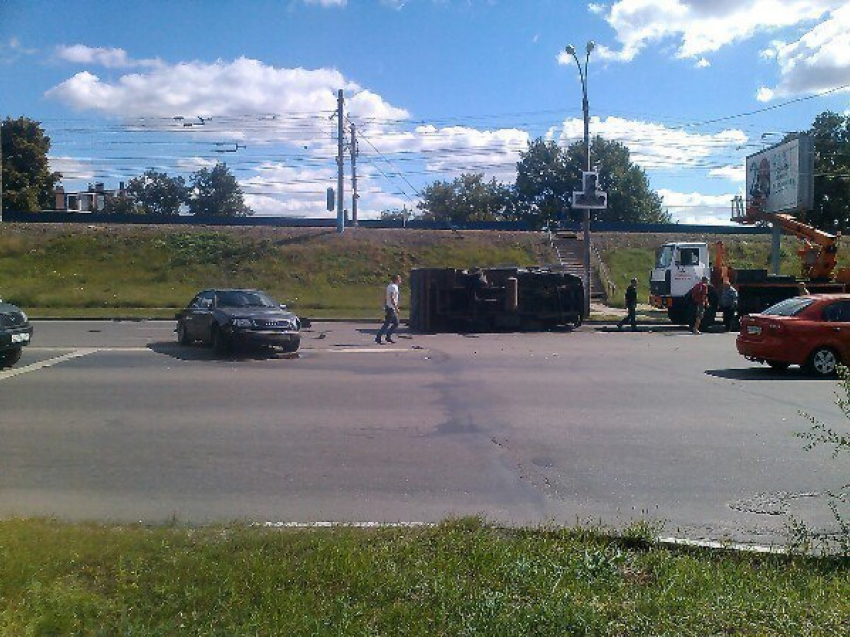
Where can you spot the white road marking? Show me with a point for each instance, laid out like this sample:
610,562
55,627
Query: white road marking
50,362
370,350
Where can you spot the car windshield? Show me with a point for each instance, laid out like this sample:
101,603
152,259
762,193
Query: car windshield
239,298
789,307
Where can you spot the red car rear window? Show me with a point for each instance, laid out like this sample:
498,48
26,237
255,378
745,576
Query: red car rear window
789,307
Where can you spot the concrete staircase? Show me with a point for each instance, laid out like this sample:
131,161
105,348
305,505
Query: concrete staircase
569,247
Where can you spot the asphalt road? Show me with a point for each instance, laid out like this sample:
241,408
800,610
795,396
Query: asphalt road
113,421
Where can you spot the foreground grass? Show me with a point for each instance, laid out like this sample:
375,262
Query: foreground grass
124,270
460,578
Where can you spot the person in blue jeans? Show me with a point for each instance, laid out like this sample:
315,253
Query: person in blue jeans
390,311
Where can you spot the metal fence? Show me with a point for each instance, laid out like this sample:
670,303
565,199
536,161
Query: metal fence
322,222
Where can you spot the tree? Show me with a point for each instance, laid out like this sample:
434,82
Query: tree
28,183
831,210
217,193
156,193
464,199
544,184
122,204
547,175
630,199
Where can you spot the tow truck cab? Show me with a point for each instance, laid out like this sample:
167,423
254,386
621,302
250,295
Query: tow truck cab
678,268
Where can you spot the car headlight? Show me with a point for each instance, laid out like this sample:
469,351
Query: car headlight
24,317
240,322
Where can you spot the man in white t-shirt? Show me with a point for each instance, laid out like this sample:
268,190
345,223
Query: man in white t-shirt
390,311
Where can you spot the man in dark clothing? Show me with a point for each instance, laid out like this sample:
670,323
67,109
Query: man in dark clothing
631,306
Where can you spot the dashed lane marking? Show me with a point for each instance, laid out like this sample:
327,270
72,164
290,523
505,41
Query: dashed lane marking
50,362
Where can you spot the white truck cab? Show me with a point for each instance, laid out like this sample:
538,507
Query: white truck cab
678,268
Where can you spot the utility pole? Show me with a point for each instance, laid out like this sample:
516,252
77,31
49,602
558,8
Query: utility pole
340,178
1,171
354,195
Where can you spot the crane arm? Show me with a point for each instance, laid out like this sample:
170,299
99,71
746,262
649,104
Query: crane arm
819,250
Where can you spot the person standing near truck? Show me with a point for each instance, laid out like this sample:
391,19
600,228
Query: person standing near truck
631,306
728,303
390,311
699,295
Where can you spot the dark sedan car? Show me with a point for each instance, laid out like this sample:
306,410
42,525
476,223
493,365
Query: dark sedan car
15,333
235,317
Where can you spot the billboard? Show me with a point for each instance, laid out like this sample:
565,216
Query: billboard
783,176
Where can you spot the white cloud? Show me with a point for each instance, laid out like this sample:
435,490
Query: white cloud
697,208
193,164
702,63
239,96
457,149
702,26
735,173
327,3
655,146
818,61
108,57
278,189
72,168
12,50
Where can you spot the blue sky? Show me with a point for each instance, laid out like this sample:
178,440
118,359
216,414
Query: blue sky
434,87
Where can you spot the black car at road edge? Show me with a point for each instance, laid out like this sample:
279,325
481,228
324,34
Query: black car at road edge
15,333
230,318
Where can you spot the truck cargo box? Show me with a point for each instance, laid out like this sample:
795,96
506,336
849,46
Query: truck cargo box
490,299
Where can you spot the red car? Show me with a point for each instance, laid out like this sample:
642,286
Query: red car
812,331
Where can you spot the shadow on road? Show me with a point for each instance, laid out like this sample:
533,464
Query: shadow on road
762,373
202,353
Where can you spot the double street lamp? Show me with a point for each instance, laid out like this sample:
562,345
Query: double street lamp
582,72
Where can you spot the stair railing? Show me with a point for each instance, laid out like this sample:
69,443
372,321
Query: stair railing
603,272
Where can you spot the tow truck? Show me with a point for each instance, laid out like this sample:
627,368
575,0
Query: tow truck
681,265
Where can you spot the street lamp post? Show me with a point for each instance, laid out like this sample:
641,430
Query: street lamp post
585,107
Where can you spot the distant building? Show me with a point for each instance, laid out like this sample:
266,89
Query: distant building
92,200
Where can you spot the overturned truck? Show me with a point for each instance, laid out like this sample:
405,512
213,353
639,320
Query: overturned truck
490,299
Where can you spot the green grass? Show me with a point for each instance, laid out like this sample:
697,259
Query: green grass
460,578
151,271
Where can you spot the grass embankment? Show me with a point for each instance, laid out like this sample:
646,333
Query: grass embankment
633,255
461,578
149,271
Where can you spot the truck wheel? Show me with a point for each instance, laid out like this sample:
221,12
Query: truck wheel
9,358
822,362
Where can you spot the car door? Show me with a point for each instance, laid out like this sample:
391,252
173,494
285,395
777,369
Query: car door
204,316
837,327
196,316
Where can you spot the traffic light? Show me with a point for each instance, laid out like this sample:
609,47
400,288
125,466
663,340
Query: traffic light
590,197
